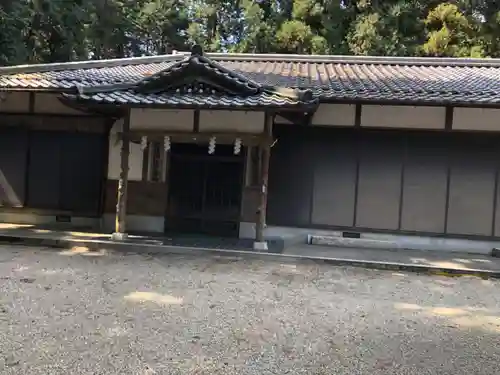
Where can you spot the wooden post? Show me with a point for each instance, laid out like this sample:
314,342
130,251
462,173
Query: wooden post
121,201
264,157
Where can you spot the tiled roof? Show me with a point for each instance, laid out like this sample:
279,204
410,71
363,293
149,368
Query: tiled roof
410,80
193,82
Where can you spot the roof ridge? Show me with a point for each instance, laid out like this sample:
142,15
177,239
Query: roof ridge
88,64
347,59
318,59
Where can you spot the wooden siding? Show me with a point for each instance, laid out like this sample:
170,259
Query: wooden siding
425,184
291,176
379,180
52,170
65,171
473,165
250,204
338,168
13,163
143,198
386,180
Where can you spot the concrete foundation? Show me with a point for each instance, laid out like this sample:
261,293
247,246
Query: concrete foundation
23,218
369,240
119,236
286,235
402,242
260,246
135,223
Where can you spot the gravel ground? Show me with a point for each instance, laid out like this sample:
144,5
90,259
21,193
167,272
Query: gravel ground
103,313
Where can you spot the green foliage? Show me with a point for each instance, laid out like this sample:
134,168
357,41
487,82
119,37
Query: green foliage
450,32
61,30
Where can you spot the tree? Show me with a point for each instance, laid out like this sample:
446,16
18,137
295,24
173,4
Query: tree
12,19
162,25
61,30
451,33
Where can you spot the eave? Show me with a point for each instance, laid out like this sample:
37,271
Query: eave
92,105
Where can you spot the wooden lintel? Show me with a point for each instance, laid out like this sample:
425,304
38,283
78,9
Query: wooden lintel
222,138
72,123
196,121
162,133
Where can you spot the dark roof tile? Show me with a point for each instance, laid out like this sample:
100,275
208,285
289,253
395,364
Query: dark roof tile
188,100
447,81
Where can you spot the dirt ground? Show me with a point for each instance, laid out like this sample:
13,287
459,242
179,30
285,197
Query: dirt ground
74,312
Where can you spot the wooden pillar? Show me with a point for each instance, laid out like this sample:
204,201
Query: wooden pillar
121,201
264,158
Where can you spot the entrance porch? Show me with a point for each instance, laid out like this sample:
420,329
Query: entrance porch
192,147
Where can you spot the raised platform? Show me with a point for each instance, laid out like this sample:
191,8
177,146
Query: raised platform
434,262
375,241
402,242
64,236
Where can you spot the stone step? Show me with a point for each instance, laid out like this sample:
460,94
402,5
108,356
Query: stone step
337,241
367,241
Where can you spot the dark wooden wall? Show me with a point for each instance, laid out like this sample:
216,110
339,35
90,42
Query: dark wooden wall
13,164
411,182
143,198
54,170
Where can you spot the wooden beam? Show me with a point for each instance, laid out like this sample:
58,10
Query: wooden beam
448,120
32,102
187,137
357,115
70,123
121,201
264,158
145,161
196,121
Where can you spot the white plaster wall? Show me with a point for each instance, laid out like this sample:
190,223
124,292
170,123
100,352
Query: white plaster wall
15,102
161,119
335,115
476,119
405,117
135,157
229,121
50,104
329,115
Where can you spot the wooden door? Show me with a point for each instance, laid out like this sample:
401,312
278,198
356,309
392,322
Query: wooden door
204,192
